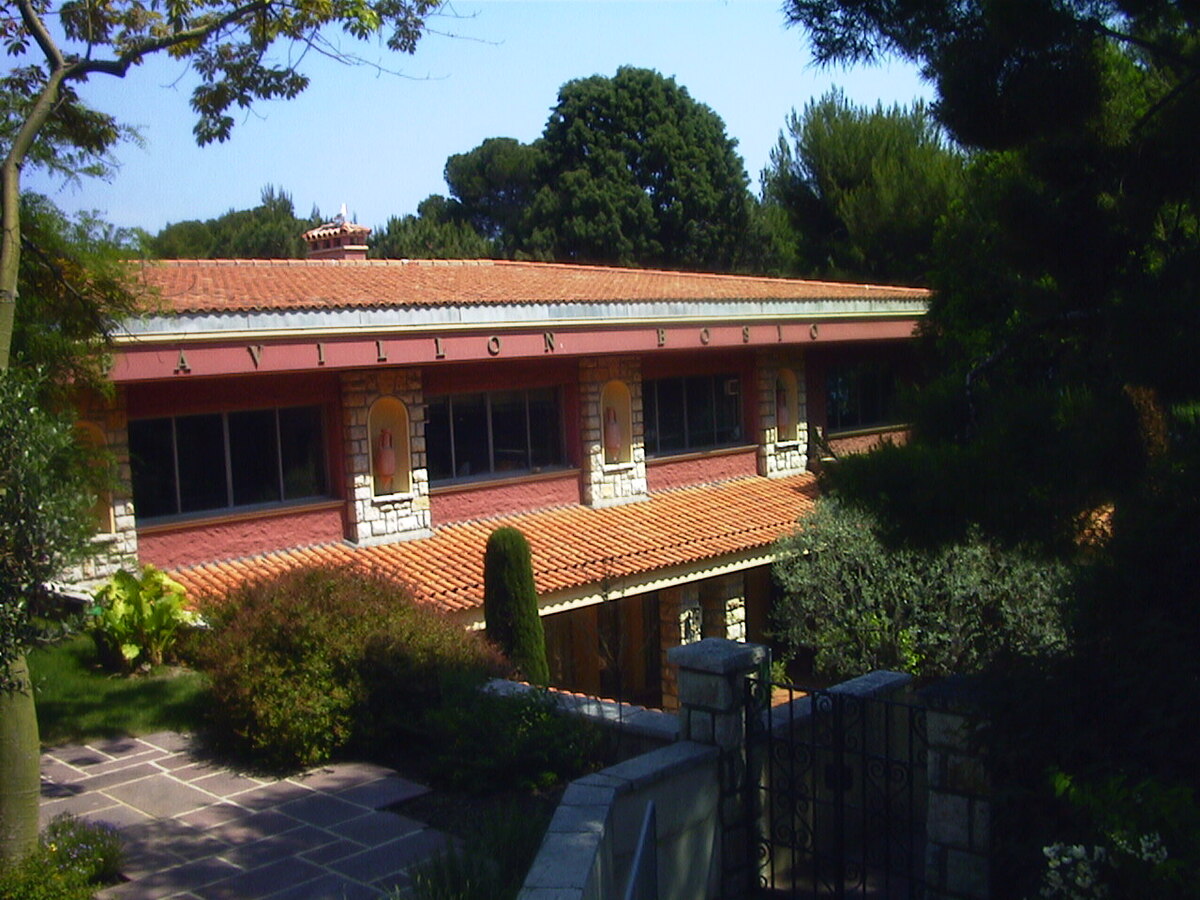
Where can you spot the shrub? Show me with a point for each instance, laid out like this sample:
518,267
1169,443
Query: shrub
510,604
485,740
492,864
307,661
136,620
72,859
863,605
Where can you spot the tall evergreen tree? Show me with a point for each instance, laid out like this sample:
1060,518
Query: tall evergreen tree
863,189
271,230
636,172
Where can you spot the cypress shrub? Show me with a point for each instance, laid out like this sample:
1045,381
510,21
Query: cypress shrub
510,609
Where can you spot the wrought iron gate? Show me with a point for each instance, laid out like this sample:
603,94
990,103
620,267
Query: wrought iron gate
838,794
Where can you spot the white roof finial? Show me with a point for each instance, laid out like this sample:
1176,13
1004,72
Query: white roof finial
342,215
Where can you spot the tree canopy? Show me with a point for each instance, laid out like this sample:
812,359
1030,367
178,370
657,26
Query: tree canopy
629,170
1064,336
435,232
270,230
241,52
863,190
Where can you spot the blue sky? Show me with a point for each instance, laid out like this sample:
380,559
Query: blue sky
378,142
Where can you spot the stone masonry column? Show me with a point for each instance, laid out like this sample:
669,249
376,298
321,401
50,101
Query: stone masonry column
679,623
381,520
778,455
606,484
115,544
958,852
712,699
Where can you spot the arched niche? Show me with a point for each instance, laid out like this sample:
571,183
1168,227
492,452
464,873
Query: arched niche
92,437
616,423
787,407
387,427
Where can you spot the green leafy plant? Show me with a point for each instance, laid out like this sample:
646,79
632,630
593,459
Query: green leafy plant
491,865
510,608
137,619
864,605
486,740
72,860
305,663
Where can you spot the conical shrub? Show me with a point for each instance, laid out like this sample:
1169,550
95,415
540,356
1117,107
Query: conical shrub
510,609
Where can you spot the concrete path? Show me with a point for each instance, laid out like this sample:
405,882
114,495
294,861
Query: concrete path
193,830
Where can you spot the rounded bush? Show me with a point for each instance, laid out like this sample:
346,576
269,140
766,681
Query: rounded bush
305,662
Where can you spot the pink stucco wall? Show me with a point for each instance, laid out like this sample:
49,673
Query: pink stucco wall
461,504
662,474
188,544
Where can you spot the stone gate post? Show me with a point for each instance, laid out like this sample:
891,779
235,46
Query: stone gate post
712,710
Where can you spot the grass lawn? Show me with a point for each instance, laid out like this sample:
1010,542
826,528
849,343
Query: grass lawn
78,701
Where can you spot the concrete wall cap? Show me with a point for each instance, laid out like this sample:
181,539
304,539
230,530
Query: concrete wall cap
718,656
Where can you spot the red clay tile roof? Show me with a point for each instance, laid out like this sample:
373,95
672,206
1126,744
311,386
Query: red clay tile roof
243,285
573,547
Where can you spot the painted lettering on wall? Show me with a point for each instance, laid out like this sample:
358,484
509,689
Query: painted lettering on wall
705,337
745,334
548,337
493,345
320,354
439,352
181,364
380,353
813,331
256,353
662,337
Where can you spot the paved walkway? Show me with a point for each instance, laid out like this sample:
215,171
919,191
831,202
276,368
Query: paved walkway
193,830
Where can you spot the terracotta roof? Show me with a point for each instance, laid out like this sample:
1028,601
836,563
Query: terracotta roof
573,547
243,285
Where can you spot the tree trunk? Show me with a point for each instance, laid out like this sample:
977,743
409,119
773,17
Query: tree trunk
20,768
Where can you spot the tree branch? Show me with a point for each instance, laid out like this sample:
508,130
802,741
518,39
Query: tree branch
120,65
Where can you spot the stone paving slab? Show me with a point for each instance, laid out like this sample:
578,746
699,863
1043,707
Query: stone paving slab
194,830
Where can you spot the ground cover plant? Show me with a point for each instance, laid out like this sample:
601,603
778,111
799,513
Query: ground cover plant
314,661
77,700
72,860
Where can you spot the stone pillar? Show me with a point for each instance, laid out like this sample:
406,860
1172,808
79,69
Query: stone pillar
958,853
679,623
115,543
394,517
723,607
622,482
777,458
712,699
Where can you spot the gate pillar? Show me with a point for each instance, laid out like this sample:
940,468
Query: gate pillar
712,701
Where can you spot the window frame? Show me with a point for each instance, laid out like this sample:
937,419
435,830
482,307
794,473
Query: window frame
886,384
650,389
230,507
492,473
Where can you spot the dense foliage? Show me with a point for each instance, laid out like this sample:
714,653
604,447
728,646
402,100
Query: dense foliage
437,231
271,230
864,190
955,609
45,517
510,607
307,662
1064,332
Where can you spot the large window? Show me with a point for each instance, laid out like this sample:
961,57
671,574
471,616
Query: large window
694,413
860,395
495,433
216,461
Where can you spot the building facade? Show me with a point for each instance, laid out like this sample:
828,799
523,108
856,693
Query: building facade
648,431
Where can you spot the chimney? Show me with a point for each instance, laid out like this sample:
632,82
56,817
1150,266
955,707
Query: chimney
339,239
